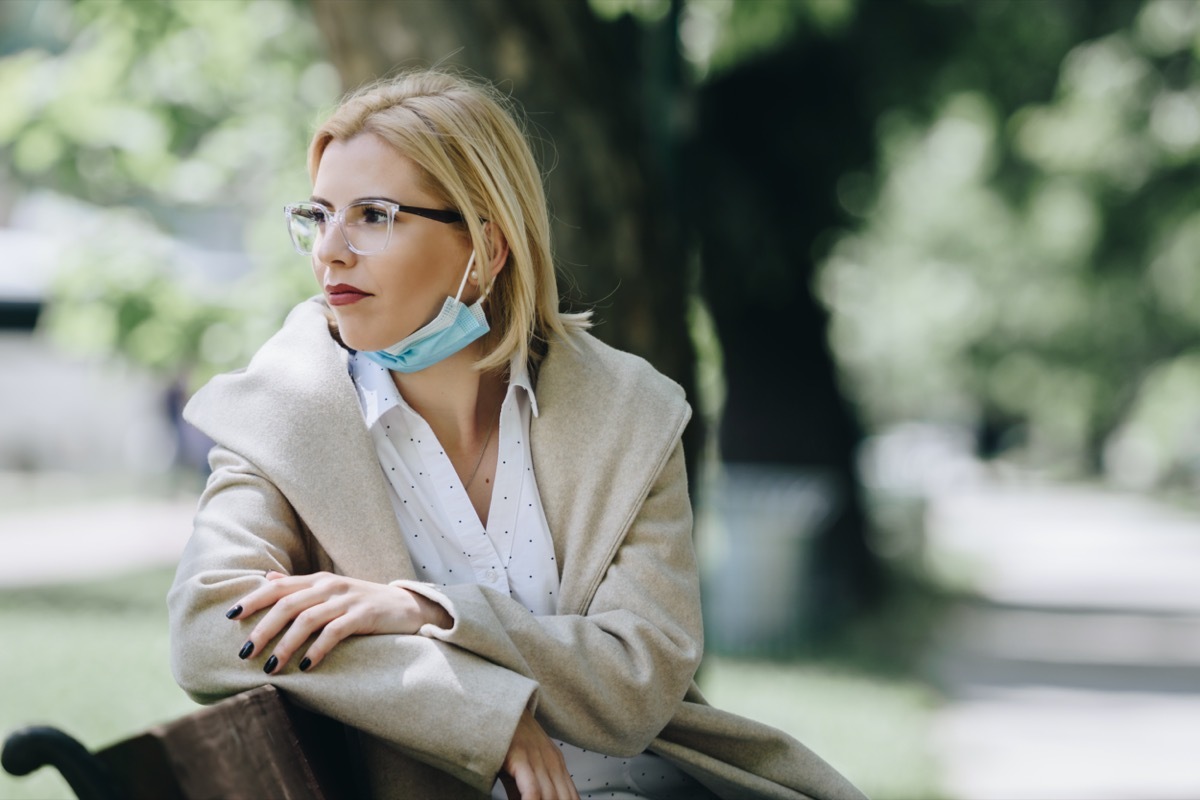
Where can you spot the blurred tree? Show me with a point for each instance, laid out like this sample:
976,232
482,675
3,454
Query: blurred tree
175,124
1026,265
763,201
787,142
988,207
601,100
610,91
150,140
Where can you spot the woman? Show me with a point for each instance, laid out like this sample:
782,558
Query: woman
441,512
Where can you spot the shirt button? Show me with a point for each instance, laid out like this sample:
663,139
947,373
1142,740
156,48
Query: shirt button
492,575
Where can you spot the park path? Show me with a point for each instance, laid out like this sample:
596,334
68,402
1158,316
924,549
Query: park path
1074,674
1076,671
77,541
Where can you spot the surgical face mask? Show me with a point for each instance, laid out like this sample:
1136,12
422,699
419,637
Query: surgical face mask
455,327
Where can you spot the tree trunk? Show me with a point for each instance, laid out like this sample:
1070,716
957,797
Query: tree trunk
608,105
604,130
771,163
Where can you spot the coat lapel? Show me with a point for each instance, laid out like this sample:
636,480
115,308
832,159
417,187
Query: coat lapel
309,437
596,461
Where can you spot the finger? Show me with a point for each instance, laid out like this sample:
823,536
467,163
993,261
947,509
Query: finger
273,575
564,786
305,624
238,609
276,619
545,785
554,772
551,767
555,780
540,771
281,614
270,593
528,785
331,635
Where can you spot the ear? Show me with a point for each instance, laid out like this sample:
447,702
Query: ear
497,248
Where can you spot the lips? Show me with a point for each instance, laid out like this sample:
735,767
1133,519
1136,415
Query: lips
343,294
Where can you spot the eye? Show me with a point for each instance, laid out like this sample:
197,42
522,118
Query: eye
373,215
314,214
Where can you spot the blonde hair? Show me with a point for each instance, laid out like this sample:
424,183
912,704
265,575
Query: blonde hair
474,157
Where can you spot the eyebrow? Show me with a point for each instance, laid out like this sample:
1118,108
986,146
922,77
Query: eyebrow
327,204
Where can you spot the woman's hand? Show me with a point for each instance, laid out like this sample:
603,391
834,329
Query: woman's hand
533,767
334,605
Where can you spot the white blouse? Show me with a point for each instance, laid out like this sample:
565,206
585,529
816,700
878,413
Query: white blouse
513,553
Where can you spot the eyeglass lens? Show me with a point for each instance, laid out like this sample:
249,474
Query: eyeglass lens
367,226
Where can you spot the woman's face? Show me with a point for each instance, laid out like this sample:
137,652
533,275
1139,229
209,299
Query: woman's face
379,299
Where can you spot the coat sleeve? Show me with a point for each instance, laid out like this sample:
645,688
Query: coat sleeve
441,704
611,679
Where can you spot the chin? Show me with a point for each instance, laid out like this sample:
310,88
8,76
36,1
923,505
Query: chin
357,338
354,337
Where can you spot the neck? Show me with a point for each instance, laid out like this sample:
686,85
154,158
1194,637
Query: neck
460,403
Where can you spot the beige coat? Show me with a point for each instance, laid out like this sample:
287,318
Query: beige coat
296,487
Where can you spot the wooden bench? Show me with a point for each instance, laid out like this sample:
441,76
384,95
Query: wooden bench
253,745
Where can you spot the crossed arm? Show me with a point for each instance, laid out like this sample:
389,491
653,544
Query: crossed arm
334,607
393,659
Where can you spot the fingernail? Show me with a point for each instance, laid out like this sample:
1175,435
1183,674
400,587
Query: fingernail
246,650
271,664
305,663
233,612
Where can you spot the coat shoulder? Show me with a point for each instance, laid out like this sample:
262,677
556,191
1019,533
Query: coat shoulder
591,372
301,369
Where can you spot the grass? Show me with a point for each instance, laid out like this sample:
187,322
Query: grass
92,659
872,730
856,698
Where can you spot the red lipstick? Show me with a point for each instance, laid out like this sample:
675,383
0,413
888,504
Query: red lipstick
343,294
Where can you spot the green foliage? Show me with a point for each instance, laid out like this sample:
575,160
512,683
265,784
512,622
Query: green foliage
717,35
156,114
1029,260
645,10
1022,257
117,299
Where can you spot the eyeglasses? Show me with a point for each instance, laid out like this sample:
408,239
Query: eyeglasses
366,226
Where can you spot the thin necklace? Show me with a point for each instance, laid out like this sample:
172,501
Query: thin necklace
479,461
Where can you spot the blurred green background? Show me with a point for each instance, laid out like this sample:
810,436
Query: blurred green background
888,247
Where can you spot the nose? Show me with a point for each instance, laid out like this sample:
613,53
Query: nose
332,248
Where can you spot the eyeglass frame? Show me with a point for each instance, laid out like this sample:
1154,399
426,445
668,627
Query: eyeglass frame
443,215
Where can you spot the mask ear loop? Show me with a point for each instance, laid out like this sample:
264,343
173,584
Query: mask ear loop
463,285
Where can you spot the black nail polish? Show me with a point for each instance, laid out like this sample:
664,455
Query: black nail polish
246,650
271,664
233,612
305,663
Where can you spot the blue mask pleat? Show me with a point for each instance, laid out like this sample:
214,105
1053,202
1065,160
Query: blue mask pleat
435,341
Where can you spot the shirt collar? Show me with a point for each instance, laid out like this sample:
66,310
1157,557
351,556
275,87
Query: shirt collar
518,377
377,394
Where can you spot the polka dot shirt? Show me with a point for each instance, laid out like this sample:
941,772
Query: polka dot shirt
513,553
